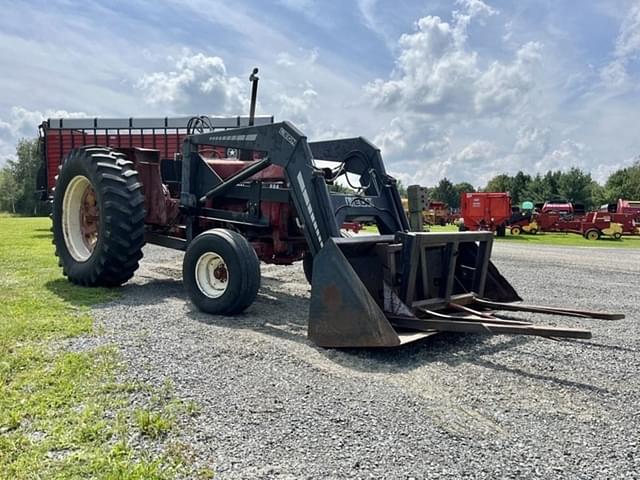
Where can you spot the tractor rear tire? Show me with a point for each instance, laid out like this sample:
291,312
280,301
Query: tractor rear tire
501,231
98,217
592,234
221,272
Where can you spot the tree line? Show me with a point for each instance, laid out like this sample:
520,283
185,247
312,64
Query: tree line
18,181
574,185
18,185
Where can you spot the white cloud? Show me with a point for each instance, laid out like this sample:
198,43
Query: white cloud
628,41
503,87
296,108
627,49
567,154
23,123
285,60
199,83
437,72
533,141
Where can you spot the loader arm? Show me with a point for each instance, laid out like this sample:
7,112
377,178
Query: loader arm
320,211
378,198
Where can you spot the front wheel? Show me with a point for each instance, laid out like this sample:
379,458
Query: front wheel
592,234
221,272
516,231
617,235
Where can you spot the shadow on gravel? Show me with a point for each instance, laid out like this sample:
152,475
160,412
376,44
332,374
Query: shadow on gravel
284,316
274,313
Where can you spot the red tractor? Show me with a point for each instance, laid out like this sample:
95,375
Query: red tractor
231,192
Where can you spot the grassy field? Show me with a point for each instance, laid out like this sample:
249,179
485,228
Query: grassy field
64,414
559,239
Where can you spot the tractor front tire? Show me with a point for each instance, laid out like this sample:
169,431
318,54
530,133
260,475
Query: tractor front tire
98,217
516,231
221,272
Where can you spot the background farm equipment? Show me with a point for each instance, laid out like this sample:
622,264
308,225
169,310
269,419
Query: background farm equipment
489,211
628,207
424,211
233,191
561,218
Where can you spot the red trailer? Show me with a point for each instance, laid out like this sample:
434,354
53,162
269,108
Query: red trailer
629,207
485,211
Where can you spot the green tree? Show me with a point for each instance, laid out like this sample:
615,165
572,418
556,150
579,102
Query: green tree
463,187
598,195
519,184
552,182
537,190
19,180
8,189
576,186
624,183
402,190
499,183
445,192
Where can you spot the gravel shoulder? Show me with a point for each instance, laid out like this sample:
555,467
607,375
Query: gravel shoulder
275,406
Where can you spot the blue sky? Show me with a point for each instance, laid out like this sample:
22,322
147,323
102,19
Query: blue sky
465,89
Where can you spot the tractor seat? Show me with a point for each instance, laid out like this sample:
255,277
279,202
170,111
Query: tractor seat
227,167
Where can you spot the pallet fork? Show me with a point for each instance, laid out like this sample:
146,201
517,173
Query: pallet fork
389,290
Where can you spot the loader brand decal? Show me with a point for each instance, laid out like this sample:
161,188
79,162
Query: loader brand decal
307,202
234,138
287,136
358,201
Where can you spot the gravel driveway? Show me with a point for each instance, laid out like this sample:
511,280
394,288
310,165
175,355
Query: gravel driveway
275,406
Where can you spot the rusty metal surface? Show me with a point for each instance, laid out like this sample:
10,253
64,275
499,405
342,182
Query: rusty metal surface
568,312
342,312
487,327
160,208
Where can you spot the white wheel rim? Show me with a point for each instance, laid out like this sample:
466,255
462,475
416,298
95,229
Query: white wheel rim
212,275
80,218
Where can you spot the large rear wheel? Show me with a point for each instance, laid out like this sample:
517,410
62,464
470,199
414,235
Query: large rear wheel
221,272
98,217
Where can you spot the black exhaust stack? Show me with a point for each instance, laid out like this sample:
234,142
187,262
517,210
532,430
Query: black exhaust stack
253,78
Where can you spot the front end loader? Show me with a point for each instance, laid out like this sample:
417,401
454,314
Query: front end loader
235,195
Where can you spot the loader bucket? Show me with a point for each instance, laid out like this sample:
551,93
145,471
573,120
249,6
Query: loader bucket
343,313
386,290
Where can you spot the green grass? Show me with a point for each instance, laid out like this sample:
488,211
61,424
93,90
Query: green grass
559,239
571,240
64,414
